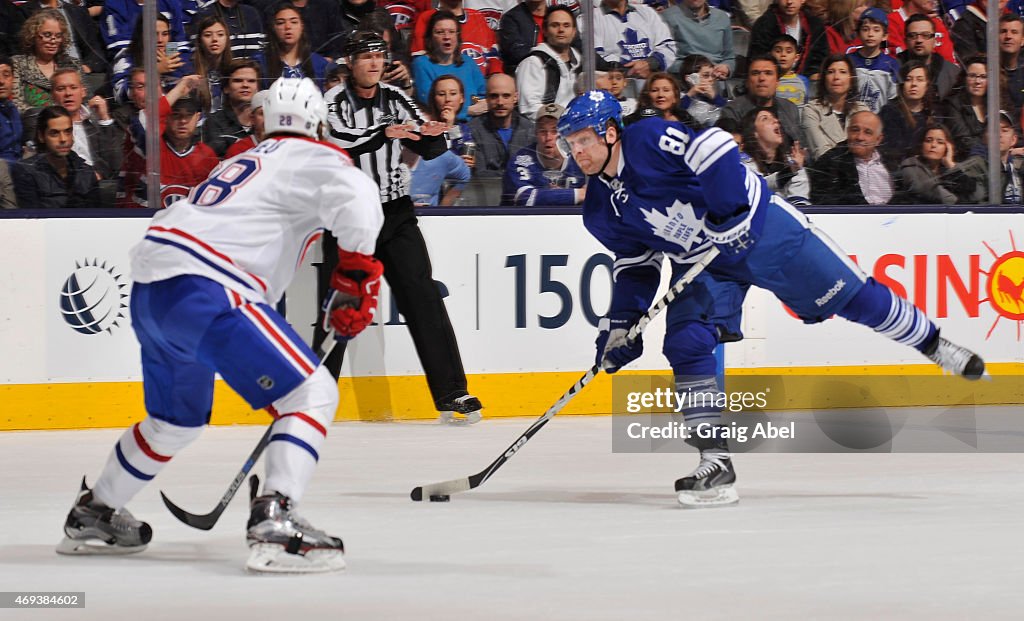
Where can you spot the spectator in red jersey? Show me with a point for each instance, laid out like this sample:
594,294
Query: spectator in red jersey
184,160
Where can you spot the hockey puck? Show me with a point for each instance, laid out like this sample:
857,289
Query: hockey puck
440,498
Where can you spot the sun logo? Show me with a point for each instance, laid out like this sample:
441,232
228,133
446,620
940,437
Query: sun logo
1005,286
92,298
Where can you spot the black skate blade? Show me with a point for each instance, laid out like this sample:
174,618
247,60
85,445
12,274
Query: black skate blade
202,522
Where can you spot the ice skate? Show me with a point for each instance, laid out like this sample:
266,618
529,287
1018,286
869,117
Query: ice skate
94,528
460,408
955,359
711,484
280,541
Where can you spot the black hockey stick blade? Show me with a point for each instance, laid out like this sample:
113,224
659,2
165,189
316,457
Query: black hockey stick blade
206,522
447,488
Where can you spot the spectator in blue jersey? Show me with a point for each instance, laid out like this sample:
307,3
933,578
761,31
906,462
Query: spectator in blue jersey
762,87
288,53
634,36
10,118
793,87
322,25
877,72
541,174
700,99
120,19
172,59
57,177
443,45
245,25
905,118
932,175
792,18
854,172
212,60
701,29
502,131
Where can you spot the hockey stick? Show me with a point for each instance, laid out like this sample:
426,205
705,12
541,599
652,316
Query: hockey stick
206,522
440,491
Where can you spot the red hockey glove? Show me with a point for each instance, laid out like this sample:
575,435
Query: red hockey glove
351,301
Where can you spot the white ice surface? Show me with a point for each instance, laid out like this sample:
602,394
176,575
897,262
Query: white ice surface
566,530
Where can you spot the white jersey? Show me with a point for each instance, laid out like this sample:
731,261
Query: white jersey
249,225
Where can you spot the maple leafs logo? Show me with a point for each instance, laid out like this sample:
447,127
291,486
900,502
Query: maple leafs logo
633,47
678,225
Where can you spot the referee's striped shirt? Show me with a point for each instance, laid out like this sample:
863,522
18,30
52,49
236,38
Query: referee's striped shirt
357,125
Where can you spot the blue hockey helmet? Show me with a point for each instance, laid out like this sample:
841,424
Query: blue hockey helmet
592,109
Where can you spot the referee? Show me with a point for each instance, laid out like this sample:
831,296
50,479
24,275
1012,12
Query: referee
373,121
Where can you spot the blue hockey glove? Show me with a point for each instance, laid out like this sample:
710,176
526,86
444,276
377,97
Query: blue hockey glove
734,235
613,350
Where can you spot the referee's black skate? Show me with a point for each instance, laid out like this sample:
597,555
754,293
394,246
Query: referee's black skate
280,541
459,408
712,483
94,528
955,359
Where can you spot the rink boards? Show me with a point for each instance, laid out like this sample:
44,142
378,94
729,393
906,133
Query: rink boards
524,294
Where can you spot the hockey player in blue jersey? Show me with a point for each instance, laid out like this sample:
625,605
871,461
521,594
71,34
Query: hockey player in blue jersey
663,185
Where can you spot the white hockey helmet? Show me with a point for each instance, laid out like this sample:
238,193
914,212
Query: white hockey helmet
294,105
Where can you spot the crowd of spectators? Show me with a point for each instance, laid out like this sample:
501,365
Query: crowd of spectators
832,101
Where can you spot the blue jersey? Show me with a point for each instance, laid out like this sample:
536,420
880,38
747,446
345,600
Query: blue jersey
669,177
527,182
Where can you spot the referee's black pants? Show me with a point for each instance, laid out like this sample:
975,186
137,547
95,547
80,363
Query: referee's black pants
407,270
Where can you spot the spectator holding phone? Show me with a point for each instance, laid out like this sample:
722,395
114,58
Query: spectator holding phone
172,59
701,100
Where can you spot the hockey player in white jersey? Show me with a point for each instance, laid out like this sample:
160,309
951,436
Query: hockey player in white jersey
206,279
